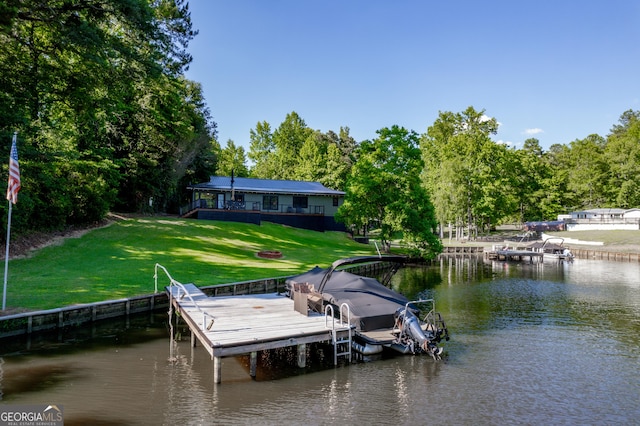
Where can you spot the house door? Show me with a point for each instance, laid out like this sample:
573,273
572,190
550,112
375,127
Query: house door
221,201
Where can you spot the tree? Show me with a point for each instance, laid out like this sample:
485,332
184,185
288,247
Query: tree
461,158
337,169
233,160
529,171
622,154
384,190
312,164
340,157
288,139
262,151
583,164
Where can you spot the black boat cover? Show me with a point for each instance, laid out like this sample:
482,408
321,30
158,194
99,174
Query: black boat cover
372,305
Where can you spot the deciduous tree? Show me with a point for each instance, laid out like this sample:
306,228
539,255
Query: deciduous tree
461,158
384,191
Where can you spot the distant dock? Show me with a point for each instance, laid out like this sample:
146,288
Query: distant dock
516,254
496,253
234,325
462,249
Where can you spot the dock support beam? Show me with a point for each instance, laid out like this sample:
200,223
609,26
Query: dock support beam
302,355
253,364
217,370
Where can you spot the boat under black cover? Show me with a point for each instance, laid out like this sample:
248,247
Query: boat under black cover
375,310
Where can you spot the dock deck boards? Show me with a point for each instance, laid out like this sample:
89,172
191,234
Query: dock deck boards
247,323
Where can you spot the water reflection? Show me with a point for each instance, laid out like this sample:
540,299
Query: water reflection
531,344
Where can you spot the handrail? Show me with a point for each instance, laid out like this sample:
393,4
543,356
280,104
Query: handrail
185,292
328,313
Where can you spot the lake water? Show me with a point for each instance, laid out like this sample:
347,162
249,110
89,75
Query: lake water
549,343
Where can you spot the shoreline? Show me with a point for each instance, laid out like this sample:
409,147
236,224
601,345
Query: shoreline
625,248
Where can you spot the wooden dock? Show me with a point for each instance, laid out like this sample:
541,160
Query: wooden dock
515,255
234,325
462,249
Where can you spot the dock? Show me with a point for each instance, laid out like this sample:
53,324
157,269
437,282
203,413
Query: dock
515,255
462,249
235,325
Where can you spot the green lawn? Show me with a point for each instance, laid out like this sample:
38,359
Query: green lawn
119,260
611,239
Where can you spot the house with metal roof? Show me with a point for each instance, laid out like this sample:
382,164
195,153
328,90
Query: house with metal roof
308,205
603,219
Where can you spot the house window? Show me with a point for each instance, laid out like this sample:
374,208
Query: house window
300,202
270,202
335,201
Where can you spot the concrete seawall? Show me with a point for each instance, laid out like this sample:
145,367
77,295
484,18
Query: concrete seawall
606,255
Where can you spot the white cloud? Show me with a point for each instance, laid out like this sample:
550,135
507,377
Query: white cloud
485,117
534,131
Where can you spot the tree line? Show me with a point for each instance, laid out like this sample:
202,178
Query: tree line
453,175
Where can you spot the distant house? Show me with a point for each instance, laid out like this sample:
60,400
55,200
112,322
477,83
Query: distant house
599,214
603,219
632,214
308,205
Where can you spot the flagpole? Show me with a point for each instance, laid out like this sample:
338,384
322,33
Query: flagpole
6,258
13,186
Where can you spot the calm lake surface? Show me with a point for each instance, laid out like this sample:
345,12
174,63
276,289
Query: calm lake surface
550,343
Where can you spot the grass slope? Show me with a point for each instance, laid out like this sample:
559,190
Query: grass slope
118,260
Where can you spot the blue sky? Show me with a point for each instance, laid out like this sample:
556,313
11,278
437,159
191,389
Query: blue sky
554,70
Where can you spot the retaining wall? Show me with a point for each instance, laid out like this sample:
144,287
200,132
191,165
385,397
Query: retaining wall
76,315
606,255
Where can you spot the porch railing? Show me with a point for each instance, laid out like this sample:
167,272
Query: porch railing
252,206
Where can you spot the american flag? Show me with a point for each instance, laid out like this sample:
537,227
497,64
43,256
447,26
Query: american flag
14,173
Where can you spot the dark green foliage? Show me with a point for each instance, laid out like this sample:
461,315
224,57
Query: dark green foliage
104,118
296,152
384,191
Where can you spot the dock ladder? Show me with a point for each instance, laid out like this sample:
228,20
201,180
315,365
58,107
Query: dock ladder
341,344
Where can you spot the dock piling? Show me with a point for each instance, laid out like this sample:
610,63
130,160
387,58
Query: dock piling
217,370
302,355
253,365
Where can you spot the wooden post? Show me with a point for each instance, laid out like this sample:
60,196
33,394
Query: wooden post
302,355
217,370
253,365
